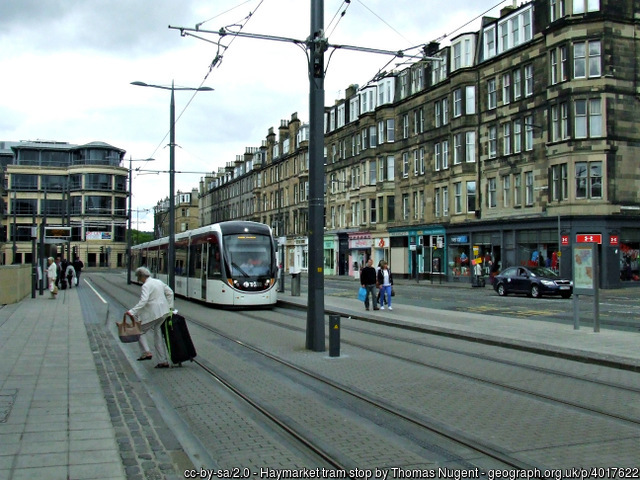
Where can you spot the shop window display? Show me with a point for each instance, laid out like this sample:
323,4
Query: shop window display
460,262
629,253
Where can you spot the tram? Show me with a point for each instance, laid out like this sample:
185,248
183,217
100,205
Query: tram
230,263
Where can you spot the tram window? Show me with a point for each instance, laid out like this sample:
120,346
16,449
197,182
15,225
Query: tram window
249,255
214,261
181,259
163,263
195,261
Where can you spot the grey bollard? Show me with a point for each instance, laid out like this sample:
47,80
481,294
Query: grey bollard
295,284
334,335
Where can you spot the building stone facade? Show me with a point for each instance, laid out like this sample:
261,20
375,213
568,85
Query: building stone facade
56,184
186,214
512,149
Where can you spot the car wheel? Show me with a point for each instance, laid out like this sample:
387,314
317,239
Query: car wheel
535,291
501,290
565,295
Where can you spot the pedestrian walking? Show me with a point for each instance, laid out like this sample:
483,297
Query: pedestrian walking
156,303
52,276
378,285
78,266
385,280
70,273
59,272
368,281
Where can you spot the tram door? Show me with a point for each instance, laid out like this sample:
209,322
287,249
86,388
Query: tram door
195,275
200,266
204,255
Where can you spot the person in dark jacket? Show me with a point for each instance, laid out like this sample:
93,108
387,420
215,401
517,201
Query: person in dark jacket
368,281
78,265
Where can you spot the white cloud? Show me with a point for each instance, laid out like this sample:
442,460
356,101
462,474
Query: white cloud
69,64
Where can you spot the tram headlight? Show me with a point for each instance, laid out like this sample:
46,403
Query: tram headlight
267,282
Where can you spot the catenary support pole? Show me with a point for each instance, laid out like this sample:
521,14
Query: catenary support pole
171,260
315,312
129,263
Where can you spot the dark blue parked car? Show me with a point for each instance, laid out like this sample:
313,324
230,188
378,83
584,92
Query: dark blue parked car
534,281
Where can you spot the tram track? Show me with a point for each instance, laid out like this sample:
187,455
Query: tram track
485,448
300,443
292,432
506,386
486,451
457,437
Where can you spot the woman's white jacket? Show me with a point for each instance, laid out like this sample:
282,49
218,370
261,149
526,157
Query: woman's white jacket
156,300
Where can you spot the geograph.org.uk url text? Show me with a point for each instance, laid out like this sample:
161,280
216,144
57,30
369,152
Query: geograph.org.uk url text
401,473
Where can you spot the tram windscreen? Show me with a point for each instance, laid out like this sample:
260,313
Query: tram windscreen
248,255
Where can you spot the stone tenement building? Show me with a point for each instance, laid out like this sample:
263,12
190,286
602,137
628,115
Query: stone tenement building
520,143
186,216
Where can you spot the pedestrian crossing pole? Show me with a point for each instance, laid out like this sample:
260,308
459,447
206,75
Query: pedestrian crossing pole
317,45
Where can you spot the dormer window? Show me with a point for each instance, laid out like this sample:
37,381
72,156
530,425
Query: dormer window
582,6
463,52
515,30
385,90
490,42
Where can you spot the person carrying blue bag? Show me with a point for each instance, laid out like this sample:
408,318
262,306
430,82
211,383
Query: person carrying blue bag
368,281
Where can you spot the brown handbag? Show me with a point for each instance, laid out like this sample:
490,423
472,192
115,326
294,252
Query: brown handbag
129,332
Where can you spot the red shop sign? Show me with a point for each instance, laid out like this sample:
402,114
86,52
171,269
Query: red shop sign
589,238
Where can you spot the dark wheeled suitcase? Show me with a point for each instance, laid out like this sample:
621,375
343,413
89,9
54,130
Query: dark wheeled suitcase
63,283
176,336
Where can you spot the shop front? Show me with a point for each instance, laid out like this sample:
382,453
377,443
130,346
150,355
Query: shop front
298,254
431,253
628,253
360,244
618,241
379,249
488,248
418,252
330,243
459,255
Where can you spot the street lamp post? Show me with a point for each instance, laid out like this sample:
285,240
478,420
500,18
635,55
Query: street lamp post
129,239
172,171
15,229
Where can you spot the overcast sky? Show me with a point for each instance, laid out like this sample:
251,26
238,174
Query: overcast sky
68,65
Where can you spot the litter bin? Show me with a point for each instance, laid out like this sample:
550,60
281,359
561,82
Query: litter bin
295,284
478,281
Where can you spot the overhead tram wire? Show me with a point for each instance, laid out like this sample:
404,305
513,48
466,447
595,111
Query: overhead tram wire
382,71
216,61
383,21
400,53
198,25
348,3
472,20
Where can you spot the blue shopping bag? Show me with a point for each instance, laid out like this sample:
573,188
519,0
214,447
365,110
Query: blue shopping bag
362,294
